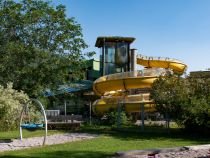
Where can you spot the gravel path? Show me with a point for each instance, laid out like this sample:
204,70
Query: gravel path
17,144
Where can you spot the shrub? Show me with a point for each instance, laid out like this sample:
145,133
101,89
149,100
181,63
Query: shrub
112,118
11,102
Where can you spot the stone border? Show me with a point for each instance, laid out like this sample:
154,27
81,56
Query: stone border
148,151
161,150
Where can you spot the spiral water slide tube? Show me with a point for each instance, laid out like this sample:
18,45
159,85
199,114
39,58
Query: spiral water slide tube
113,88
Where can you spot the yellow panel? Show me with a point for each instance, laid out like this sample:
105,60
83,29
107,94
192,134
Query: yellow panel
136,107
123,84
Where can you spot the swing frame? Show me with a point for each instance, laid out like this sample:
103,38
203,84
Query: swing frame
36,126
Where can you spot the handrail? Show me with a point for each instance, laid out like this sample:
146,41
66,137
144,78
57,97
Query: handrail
158,58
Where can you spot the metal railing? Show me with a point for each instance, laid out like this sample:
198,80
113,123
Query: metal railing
140,56
134,74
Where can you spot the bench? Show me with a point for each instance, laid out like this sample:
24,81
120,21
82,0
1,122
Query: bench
57,121
63,125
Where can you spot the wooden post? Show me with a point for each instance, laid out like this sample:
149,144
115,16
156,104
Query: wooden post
167,123
65,107
90,117
119,115
142,116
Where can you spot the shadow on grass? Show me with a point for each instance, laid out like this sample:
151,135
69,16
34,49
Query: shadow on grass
135,132
61,154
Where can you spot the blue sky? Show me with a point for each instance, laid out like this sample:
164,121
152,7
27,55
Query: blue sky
168,28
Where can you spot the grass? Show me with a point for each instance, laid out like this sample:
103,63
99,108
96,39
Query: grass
110,141
26,134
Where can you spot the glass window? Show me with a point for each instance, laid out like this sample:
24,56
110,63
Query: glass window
121,55
110,52
111,55
109,68
115,57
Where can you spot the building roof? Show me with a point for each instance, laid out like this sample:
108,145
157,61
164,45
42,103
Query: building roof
73,87
100,40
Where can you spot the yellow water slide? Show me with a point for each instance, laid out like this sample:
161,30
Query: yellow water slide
114,88
150,62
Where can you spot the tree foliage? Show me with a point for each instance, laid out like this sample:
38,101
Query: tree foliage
187,100
11,102
38,45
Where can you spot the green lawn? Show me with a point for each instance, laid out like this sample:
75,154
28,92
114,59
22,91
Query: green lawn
16,134
111,141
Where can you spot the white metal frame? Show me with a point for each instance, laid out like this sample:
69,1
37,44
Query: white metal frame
44,115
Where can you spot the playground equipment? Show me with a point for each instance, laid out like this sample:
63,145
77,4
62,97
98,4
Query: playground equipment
109,85
28,122
118,88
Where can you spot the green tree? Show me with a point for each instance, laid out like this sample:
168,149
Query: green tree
38,45
169,94
186,100
197,109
